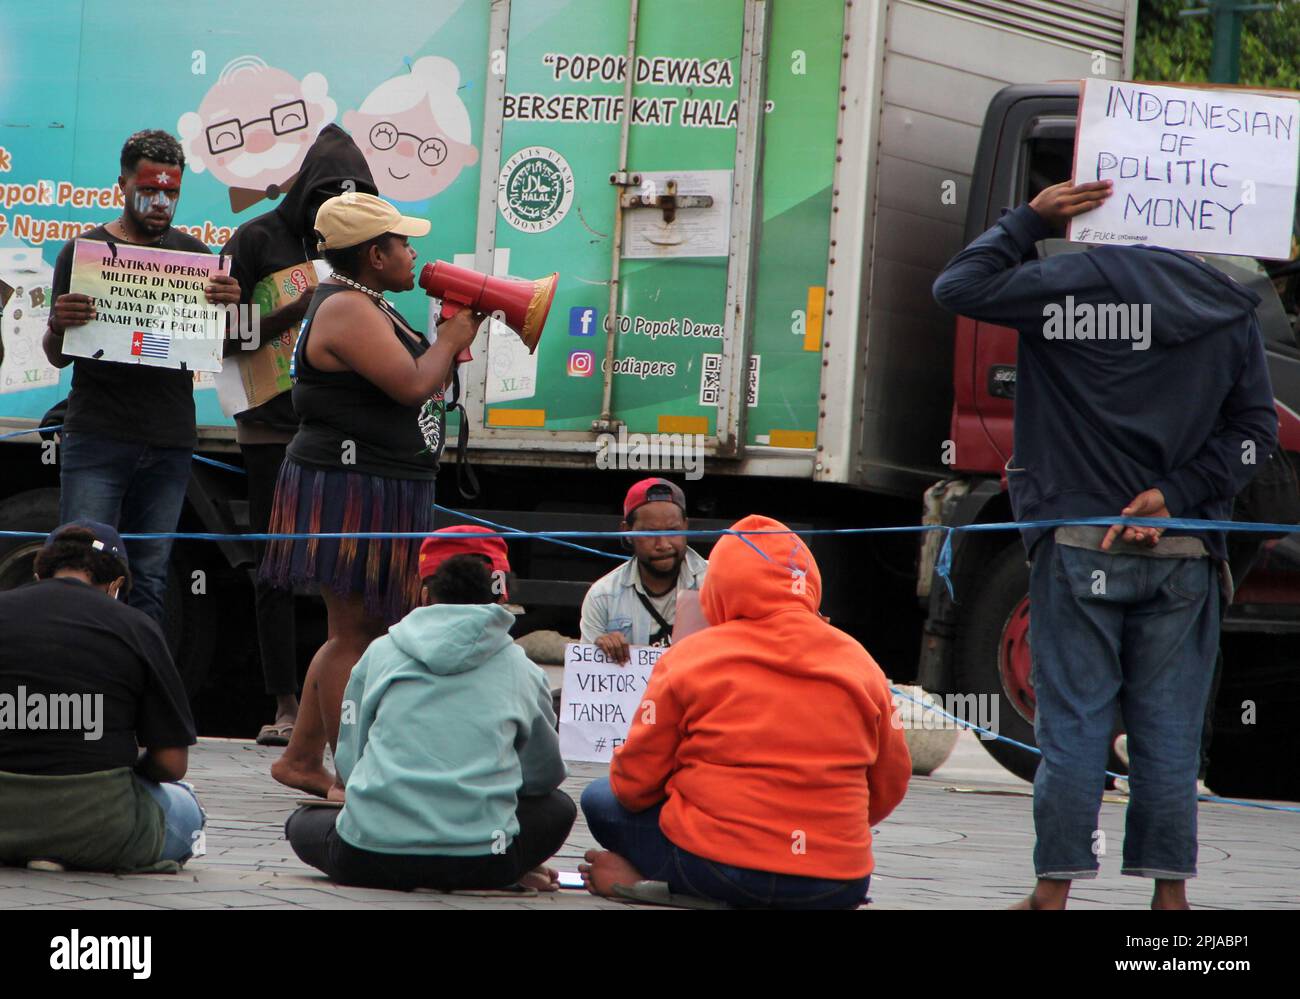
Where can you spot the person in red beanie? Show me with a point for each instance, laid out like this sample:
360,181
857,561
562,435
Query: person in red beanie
763,751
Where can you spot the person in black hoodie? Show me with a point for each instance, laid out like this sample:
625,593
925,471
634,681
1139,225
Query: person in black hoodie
271,259
1142,390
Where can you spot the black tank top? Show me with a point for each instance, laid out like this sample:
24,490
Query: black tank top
349,424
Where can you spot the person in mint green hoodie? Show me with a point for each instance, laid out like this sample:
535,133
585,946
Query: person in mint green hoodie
447,746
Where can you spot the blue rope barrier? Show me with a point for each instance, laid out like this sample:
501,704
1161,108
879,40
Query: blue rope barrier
218,464
509,532
943,563
516,532
1109,773
33,430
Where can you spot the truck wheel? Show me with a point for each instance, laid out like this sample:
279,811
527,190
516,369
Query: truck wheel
191,619
993,657
34,510
993,660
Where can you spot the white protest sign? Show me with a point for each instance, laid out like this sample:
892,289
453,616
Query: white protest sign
1208,170
149,306
600,699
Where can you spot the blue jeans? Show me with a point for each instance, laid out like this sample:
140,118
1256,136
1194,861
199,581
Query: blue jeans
183,814
1132,634
636,836
134,487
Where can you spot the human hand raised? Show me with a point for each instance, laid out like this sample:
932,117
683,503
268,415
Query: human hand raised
1061,202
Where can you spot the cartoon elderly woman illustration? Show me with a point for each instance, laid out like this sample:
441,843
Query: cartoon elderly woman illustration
414,131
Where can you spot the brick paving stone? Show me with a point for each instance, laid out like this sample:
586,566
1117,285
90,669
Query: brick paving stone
938,850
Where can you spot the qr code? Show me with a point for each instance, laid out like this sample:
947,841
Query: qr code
710,377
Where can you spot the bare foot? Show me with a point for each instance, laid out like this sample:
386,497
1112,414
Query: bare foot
336,792
290,773
541,878
1170,895
604,870
1047,894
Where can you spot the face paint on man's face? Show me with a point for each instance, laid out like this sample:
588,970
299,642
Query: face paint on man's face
147,203
156,187
159,176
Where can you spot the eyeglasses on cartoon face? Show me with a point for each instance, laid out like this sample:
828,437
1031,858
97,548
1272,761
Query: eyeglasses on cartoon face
284,118
384,135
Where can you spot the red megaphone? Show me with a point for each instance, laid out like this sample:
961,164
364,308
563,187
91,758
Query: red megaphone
521,305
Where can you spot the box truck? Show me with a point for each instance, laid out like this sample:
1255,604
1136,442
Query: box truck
747,202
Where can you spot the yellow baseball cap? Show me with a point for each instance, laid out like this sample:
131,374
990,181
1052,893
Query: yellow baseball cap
352,218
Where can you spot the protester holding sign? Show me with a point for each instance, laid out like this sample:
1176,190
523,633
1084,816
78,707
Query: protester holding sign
763,751
1124,619
1192,169
271,258
447,747
372,419
636,604
129,432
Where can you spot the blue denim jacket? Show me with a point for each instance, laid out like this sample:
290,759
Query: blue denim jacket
612,605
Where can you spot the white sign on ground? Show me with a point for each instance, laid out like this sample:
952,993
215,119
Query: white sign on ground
600,699
1208,170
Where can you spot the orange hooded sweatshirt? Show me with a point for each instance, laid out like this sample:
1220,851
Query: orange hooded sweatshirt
769,733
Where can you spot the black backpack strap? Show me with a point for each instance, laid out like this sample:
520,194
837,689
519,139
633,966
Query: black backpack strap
665,628
466,479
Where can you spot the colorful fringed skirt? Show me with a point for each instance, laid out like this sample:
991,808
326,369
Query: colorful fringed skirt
316,500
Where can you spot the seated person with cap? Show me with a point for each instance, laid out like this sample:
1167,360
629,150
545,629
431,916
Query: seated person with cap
84,681
447,744
763,750
636,604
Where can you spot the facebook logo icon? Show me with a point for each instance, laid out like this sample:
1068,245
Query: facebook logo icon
582,320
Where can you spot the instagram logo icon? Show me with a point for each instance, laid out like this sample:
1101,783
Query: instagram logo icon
581,363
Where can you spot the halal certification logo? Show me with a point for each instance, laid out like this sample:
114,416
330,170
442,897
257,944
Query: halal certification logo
535,189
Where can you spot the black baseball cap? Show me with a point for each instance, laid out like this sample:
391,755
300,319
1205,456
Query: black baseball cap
106,538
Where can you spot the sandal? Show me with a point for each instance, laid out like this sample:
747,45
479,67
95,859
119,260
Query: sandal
275,735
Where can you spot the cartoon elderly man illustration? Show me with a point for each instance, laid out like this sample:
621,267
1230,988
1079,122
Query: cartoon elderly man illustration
414,131
253,128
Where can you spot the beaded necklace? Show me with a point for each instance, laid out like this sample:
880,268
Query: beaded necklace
378,296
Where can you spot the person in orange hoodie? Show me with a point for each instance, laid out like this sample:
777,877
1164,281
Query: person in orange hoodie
763,751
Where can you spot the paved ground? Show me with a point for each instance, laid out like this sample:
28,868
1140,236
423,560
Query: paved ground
940,849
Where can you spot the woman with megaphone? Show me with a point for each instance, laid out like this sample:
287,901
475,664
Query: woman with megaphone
369,393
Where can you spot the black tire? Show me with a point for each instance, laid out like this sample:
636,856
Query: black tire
34,510
998,593
999,590
190,619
